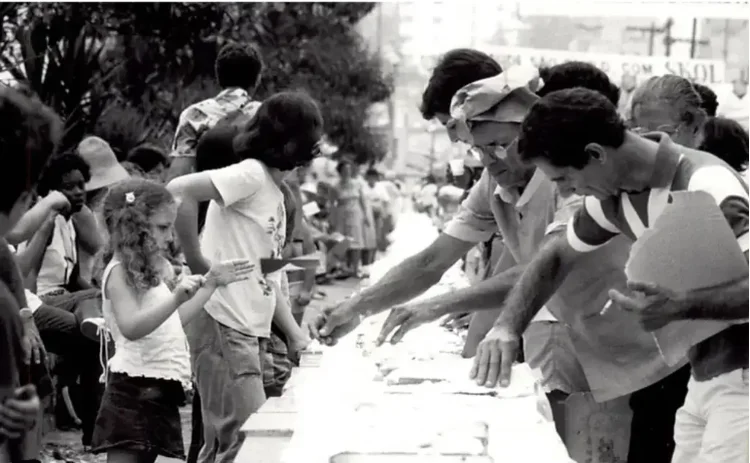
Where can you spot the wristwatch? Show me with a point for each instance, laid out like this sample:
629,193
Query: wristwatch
26,314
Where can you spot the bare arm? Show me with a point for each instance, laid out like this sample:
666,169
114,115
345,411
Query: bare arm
134,320
34,218
193,306
282,316
87,231
180,166
29,257
190,190
411,277
725,302
488,294
540,280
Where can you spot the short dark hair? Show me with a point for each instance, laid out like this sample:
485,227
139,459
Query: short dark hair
284,133
709,100
372,172
148,157
454,70
239,66
29,135
343,163
560,125
727,140
577,74
58,166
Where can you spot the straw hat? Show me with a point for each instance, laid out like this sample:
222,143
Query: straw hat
105,170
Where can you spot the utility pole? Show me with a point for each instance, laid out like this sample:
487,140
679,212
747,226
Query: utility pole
726,40
693,40
652,30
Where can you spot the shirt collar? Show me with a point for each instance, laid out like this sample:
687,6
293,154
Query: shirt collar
512,196
667,159
236,92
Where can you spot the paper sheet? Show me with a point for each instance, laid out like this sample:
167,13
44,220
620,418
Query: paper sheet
690,246
310,209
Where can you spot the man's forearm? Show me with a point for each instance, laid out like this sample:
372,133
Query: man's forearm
539,281
401,284
186,227
485,295
30,222
725,302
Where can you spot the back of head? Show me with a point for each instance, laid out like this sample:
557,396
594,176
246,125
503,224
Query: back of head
577,74
284,133
239,66
727,140
127,210
57,167
456,69
30,133
671,92
561,124
148,157
709,100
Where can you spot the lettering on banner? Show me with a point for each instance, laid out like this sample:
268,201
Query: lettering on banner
697,72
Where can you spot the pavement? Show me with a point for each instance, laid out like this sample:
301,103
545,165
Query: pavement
65,446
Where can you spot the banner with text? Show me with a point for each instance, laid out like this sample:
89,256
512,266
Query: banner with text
703,71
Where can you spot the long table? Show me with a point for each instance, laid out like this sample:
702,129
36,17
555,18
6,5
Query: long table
396,404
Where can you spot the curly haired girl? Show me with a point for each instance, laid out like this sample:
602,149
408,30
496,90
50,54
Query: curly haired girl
139,418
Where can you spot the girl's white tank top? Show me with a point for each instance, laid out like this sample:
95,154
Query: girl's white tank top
161,354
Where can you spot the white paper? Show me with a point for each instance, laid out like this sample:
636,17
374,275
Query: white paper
310,209
690,246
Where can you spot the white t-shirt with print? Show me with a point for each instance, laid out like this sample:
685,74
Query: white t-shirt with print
248,223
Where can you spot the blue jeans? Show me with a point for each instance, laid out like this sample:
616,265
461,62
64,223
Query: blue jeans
228,369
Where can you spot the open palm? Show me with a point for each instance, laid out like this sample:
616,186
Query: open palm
228,271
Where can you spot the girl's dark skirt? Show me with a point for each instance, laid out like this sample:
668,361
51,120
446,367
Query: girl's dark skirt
140,414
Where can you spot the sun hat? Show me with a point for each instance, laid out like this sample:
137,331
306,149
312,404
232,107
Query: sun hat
105,170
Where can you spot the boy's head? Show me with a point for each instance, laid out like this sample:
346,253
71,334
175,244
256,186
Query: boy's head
456,69
284,133
239,66
709,100
29,134
574,136
67,173
727,140
578,74
150,158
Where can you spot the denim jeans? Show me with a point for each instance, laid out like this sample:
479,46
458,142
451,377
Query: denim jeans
228,369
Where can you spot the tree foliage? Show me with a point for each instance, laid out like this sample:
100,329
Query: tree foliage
126,70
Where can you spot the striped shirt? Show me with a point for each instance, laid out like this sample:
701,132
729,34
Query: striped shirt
676,169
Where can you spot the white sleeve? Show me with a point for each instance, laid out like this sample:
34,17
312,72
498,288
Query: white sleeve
238,181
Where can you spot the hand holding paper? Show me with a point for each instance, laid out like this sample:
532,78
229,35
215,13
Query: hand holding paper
689,247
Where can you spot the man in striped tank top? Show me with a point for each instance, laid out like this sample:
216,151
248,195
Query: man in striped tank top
577,138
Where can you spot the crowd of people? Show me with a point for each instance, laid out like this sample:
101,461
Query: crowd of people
187,275
568,184
135,284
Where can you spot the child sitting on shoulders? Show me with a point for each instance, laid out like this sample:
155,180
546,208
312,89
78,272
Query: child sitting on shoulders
139,417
